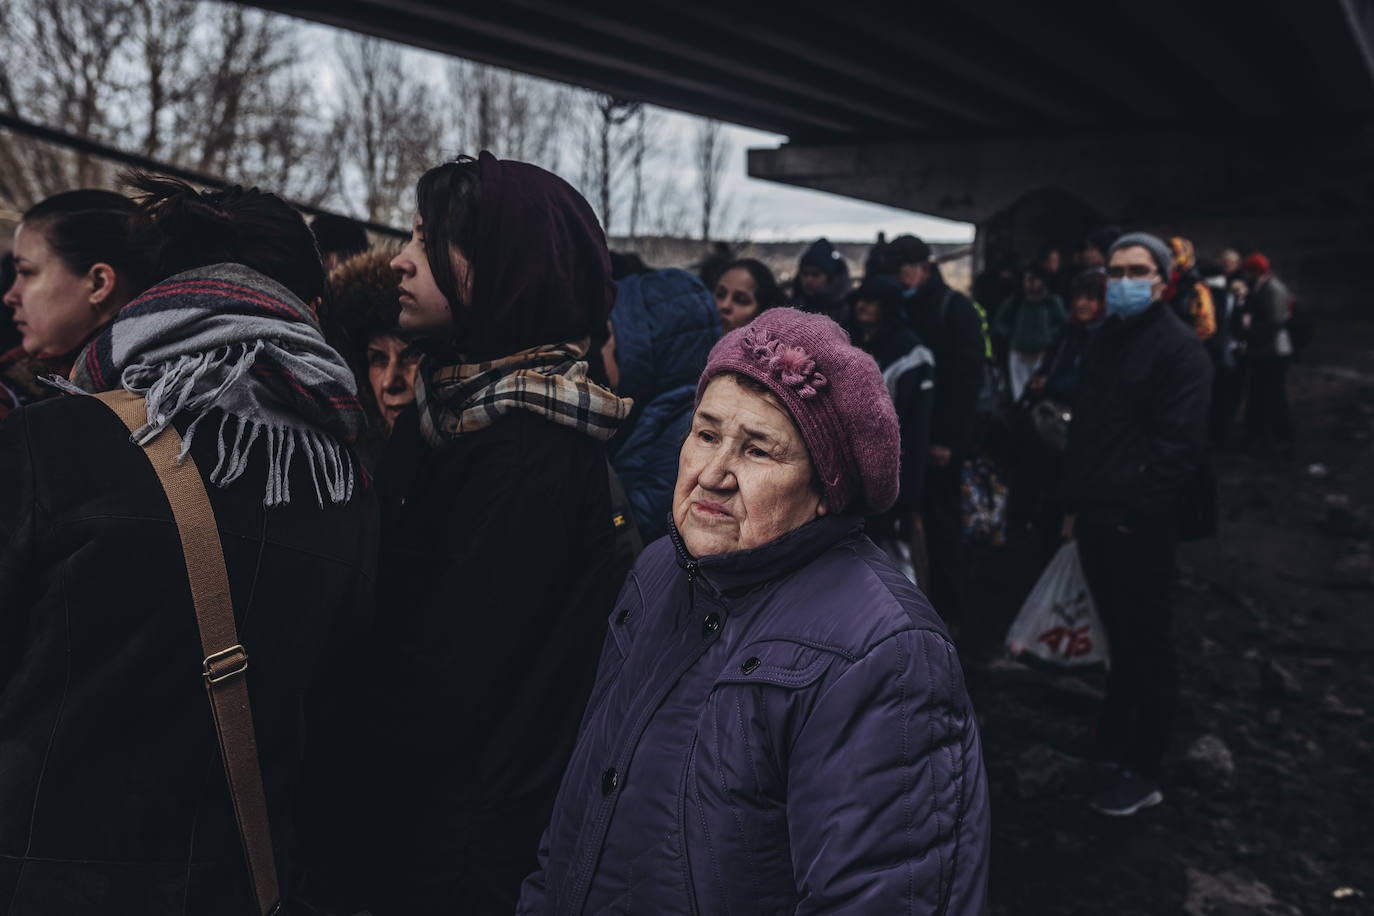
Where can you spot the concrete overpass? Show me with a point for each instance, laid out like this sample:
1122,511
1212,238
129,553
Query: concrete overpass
1237,123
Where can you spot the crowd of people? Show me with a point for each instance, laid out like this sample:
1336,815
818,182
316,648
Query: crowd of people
569,585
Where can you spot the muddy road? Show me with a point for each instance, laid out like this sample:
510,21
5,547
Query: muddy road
1269,794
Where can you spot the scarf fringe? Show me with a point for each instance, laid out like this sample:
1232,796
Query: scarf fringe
174,390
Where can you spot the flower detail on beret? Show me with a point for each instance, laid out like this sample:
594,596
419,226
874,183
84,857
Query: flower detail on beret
793,366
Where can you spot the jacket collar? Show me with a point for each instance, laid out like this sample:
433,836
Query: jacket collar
729,574
1127,326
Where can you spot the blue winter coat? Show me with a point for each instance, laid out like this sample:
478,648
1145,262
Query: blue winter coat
779,730
665,324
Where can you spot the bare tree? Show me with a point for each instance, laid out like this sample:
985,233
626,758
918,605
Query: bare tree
211,87
385,126
639,152
512,115
615,140
164,43
712,150
613,113
66,77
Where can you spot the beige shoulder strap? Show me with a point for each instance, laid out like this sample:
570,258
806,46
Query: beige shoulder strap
225,659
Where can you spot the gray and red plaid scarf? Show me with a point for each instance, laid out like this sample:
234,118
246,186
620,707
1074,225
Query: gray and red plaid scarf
550,381
227,337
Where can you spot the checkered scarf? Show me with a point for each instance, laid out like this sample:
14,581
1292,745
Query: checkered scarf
550,381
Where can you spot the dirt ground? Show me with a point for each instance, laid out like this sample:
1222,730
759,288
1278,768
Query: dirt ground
1269,794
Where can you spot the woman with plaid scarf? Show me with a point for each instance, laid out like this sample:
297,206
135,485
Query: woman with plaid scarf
499,561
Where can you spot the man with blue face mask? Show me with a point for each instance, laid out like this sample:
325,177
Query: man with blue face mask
1136,448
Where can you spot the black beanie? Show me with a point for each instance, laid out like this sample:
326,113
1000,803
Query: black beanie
906,249
823,256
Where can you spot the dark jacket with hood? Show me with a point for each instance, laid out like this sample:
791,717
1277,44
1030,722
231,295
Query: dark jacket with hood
112,795
665,325
497,570
777,730
950,326
831,301
908,369
1138,434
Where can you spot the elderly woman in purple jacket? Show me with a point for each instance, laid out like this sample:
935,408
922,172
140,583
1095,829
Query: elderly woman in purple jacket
779,723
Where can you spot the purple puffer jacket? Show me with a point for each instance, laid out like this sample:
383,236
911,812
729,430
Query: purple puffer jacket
779,730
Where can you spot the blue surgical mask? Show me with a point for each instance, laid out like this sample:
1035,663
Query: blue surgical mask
908,291
1128,296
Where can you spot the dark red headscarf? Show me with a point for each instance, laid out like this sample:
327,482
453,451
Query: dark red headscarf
541,268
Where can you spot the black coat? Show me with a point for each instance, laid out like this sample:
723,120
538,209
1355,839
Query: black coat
499,567
1136,443
112,795
913,396
1061,365
950,326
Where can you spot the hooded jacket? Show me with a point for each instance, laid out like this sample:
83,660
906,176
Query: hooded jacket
665,325
778,730
498,563
908,369
950,326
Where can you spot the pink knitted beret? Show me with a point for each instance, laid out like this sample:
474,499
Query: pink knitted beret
835,394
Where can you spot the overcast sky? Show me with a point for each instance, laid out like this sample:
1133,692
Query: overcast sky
779,211
761,210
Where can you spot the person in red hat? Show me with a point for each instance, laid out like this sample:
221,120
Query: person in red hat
1268,419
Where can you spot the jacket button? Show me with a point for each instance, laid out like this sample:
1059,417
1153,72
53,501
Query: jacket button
609,780
750,665
622,617
710,625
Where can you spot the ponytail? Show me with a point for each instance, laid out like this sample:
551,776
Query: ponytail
182,229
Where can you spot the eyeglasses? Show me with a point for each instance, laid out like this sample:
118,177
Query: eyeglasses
1139,271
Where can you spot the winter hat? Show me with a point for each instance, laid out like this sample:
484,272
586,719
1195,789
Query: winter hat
823,256
835,394
361,302
1256,264
884,289
906,249
1162,253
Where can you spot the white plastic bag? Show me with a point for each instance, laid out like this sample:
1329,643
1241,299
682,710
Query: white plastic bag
1058,621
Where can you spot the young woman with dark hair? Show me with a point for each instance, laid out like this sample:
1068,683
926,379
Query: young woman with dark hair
745,290
75,265
112,794
499,561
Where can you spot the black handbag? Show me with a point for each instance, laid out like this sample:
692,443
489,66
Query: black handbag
1050,420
